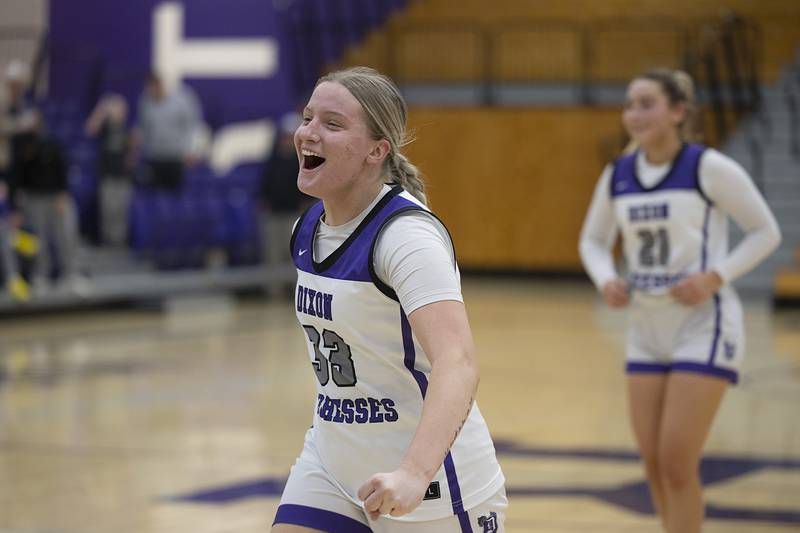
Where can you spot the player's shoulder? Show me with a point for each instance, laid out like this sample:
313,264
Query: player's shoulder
712,161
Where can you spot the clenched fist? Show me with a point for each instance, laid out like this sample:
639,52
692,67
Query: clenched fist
396,493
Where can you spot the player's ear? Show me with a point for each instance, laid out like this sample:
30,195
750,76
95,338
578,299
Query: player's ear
380,150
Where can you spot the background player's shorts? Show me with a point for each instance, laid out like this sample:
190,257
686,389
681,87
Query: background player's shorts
665,336
312,499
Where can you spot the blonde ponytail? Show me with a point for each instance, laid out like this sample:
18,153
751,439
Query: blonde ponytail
688,129
405,174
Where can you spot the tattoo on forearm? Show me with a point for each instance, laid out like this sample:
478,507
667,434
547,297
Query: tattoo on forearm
463,421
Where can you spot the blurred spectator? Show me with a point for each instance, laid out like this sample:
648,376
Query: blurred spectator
281,200
108,122
40,170
168,124
12,103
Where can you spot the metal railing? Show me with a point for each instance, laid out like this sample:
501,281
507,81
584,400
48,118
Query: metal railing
726,64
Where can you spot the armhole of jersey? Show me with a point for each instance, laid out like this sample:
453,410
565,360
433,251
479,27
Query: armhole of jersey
379,284
698,183
296,231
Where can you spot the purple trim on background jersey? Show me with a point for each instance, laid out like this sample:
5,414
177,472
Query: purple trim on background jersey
301,515
682,175
650,368
411,354
704,249
463,520
351,260
717,320
698,368
422,381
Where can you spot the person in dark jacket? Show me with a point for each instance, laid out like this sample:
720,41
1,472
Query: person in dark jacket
41,194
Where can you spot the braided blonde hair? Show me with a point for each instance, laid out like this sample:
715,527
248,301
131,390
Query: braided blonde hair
387,118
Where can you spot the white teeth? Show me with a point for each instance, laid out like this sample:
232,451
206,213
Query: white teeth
309,152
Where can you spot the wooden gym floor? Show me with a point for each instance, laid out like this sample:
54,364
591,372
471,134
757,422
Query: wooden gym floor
188,420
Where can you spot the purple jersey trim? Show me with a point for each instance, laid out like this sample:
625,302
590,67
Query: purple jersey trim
683,174
301,515
452,483
351,260
717,320
704,249
411,354
422,381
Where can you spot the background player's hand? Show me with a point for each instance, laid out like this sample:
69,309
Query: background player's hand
697,288
615,293
396,493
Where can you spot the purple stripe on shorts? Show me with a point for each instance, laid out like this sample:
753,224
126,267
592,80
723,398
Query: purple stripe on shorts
463,520
301,515
697,368
650,368
715,340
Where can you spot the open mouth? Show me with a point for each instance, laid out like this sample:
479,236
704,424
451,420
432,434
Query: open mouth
311,160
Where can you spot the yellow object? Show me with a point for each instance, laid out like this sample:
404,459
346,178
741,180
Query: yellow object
26,243
19,289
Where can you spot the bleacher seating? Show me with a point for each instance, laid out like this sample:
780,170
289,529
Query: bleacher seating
178,230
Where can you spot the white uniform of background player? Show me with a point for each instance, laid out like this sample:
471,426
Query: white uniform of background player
670,201
673,219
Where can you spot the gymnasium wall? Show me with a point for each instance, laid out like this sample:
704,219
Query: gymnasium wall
550,40
512,184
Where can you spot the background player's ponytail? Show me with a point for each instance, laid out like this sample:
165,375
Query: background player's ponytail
679,88
387,117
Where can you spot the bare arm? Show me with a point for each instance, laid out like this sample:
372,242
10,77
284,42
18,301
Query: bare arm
443,330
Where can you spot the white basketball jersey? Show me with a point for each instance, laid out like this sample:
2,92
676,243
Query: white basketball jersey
669,230
372,374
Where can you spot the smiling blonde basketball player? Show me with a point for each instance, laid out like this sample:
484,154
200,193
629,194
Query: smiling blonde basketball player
397,443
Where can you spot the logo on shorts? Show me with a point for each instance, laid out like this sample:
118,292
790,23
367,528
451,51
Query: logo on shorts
730,349
433,492
488,523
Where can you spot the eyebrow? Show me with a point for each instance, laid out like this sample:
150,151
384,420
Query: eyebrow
326,112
